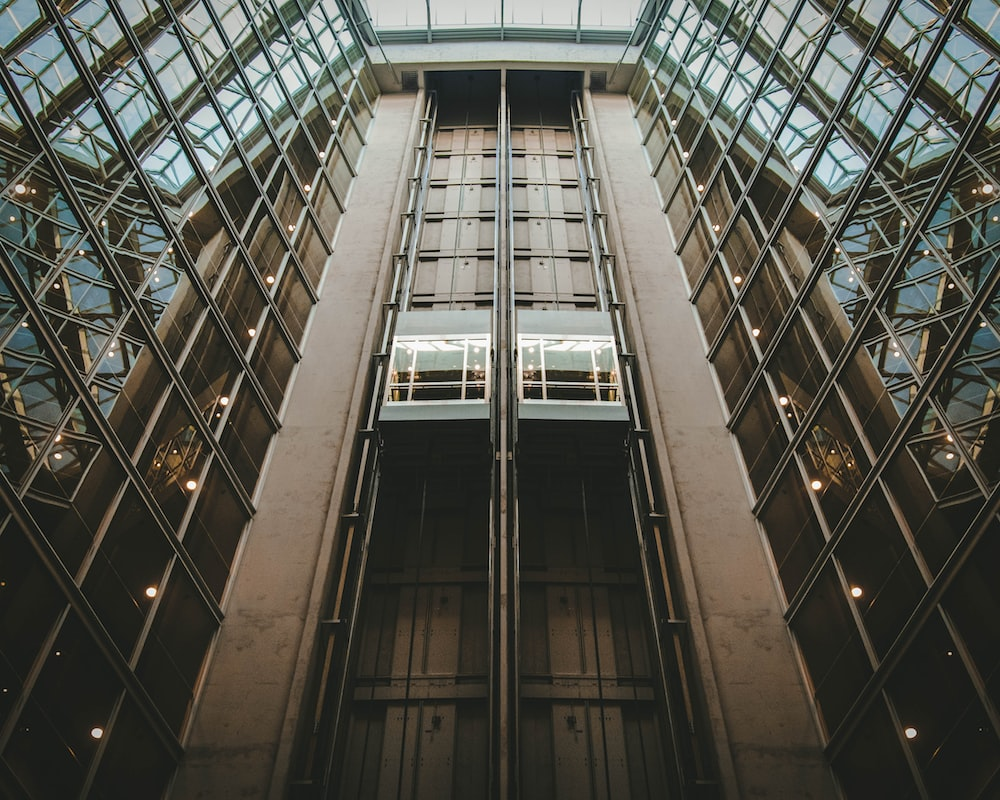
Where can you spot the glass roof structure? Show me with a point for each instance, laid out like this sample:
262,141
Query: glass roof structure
564,20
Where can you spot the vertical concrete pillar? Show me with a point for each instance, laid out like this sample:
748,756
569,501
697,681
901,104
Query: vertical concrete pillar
764,728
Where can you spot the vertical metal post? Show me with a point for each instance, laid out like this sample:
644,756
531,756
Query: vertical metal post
505,783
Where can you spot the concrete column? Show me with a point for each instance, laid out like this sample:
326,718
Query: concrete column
762,718
239,743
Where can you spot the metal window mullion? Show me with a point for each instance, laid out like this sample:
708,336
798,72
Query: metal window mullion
74,602
98,243
797,91
752,97
108,438
307,18
237,147
191,271
897,440
856,336
67,583
852,201
925,609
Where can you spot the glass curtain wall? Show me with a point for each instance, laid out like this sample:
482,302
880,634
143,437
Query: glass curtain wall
830,174
172,176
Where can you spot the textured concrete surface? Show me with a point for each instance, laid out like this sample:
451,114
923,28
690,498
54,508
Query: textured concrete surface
239,742
763,724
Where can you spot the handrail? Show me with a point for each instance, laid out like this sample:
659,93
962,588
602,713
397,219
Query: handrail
341,620
647,501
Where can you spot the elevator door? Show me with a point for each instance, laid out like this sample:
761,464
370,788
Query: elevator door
418,723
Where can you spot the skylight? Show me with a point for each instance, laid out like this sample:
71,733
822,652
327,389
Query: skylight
561,15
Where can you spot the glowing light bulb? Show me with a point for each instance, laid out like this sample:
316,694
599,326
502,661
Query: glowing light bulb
816,485
910,732
191,485
251,332
783,401
150,592
20,188
857,591
269,280
96,732
737,279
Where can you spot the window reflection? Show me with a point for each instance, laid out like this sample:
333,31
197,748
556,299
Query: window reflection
439,369
581,370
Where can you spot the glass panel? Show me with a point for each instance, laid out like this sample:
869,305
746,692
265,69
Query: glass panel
834,459
30,601
135,762
175,648
881,574
793,531
59,731
439,369
581,370
944,723
761,436
837,662
973,604
125,576
872,763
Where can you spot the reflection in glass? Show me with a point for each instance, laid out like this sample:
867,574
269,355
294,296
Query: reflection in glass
453,368
581,370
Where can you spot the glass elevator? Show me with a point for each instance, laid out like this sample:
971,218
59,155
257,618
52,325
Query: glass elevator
505,622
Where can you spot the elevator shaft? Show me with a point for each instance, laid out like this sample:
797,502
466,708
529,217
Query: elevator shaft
495,630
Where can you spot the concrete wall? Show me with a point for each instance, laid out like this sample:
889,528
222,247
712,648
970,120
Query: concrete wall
240,739
765,731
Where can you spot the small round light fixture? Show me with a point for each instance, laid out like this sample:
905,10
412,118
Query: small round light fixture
857,591
816,485
755,332
191,484
251,332
150,592
783,401
987,188
737,279
224,400
910,732
269,280
20,188
96,732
